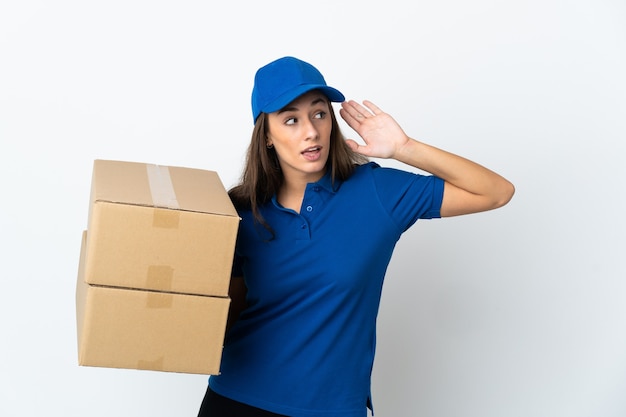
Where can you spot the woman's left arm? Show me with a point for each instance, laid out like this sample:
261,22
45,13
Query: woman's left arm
469,187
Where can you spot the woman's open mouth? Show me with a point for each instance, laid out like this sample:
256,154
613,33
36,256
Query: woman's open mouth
313,153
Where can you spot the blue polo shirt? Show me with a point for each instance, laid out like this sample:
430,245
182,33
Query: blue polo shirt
305,345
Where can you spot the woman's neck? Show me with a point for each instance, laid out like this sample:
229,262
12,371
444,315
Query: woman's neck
290,195
291,192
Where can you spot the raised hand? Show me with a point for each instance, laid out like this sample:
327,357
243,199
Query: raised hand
382,135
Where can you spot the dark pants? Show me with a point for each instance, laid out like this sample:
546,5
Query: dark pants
215,405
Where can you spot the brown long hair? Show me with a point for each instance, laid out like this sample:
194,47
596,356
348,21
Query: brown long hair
262,177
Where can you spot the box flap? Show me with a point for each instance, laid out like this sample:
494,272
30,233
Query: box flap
176,188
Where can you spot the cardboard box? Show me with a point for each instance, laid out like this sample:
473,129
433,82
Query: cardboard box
148,330
160,228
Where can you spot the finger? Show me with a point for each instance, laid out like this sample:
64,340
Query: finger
360,149
364,112
356,110
352,144
372,107
351,120
350,114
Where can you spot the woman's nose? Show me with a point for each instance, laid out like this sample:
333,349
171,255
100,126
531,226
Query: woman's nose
311,130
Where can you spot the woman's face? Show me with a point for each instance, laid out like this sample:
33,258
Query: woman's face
300,134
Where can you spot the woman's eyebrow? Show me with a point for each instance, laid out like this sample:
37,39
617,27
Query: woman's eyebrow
295,108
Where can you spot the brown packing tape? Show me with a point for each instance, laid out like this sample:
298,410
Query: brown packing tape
159,300
160,276
155,365
166,219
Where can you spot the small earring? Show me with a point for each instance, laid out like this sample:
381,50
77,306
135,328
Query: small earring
269,146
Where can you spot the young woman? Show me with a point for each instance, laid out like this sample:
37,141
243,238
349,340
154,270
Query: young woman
319,225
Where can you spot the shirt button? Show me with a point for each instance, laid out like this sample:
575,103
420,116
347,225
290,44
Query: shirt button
309,208
303,226
316,188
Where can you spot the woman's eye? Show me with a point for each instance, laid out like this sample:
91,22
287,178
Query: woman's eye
291,121
320,115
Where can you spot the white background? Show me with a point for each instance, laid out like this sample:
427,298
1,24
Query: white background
516,312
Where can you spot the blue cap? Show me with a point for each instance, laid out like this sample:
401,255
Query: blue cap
282,81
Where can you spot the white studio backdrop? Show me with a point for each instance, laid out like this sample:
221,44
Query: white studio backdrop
516,312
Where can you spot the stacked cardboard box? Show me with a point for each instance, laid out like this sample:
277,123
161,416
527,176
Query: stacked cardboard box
154,270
